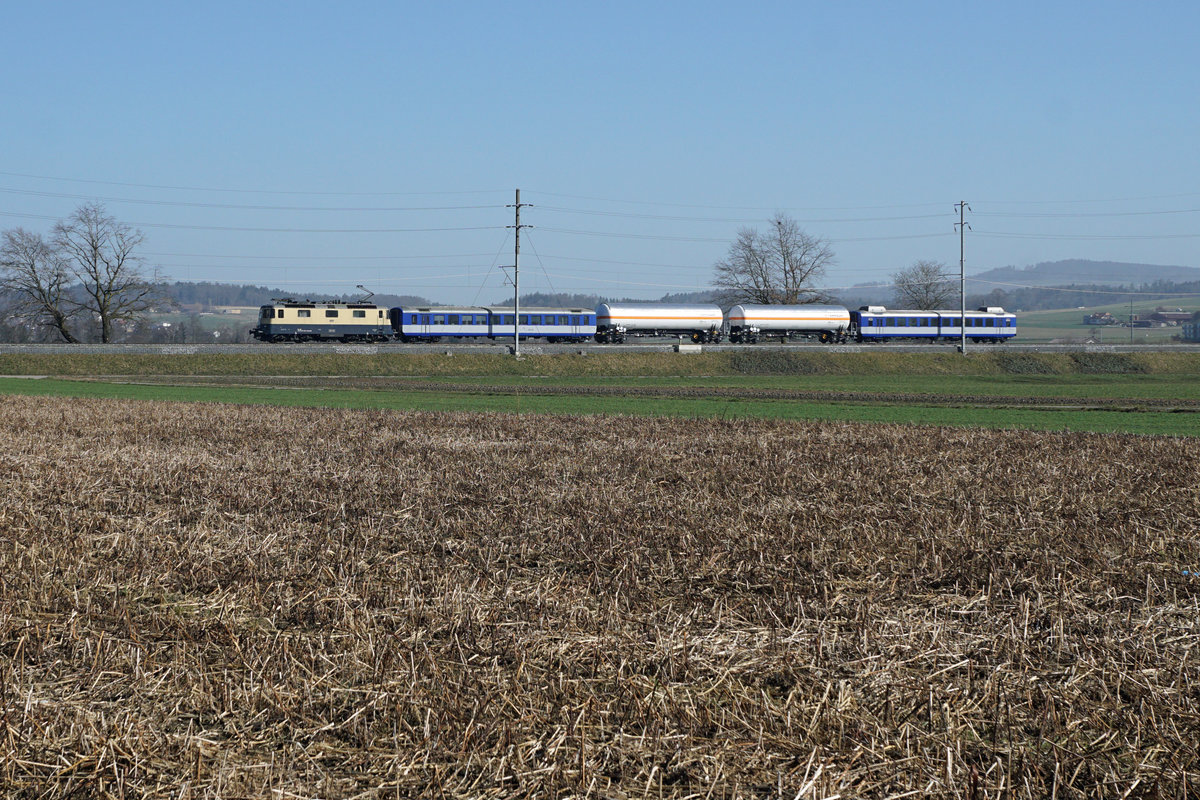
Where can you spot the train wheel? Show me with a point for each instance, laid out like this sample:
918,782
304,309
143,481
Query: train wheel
825,337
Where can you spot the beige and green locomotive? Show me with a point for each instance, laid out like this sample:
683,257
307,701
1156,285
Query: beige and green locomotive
309,321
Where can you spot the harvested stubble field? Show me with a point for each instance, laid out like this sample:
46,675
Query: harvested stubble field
224,601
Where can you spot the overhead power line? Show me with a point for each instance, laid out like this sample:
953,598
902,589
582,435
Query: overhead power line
250,191
316,258
1086,236
1084,214
728,208
235,229
236,206
664,238
670,218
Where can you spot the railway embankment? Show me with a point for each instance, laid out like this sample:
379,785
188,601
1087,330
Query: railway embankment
365,361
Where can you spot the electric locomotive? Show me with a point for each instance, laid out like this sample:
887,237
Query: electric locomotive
288,320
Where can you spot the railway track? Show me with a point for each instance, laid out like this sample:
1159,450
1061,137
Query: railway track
534,348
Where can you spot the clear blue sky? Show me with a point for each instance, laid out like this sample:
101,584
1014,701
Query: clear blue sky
316,146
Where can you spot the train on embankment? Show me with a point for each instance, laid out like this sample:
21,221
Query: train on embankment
291,320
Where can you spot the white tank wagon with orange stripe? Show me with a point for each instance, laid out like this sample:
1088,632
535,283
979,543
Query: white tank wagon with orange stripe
747,322
698,322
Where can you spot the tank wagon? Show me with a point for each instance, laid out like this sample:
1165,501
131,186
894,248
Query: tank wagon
699,322
288,320
747,322
878,324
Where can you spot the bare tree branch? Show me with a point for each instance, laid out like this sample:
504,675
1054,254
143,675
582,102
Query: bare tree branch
924,285
778,267
102,254
36,280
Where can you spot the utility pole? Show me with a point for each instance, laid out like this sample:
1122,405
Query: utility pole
962,226
517,274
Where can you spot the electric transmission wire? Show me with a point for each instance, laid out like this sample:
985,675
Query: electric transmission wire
236,229
670,218
252,191
239,207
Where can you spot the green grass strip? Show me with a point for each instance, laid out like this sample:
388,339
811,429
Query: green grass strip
1102,421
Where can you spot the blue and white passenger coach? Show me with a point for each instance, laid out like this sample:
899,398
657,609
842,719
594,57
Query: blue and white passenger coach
551,324
431,324
878,324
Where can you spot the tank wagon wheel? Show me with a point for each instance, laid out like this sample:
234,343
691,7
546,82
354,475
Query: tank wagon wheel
825,337
697,338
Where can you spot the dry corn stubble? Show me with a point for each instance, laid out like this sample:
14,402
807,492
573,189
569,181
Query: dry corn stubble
235,601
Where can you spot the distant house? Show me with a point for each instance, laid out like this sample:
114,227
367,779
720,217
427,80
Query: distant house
1100,318
1170,316
1191,331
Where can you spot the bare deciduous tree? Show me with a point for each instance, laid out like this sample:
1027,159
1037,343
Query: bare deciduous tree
102,253
777,267
924,285
36,280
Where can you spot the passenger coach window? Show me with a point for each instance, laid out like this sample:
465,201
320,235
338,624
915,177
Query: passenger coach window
452,319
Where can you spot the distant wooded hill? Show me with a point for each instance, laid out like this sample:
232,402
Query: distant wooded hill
1085,273
1077,282
1057,284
